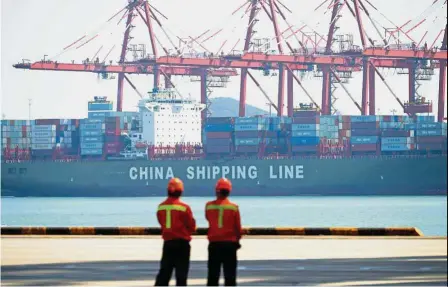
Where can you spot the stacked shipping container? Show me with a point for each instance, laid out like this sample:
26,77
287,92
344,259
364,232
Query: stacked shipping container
305,134
219,135
92,136
364,133
249,132
394,135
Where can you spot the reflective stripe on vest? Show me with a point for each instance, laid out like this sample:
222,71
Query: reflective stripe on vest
168,209
221,209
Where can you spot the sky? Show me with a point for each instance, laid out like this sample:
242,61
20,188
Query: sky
31,29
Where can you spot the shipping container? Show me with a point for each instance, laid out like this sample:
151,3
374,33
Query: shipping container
305,148
255,134
364,132
219,142
218,135
36,134
218,149
329,135
112,132
219,128
365,125
92,145
425,119
92,126
392,125
92,121
247,149
251,121
113,138
98,106
111,145
364,147
433,126
43,140
112,150
397,140
427,132
94,115
47,122
93,139
397,133
306,121
305,127
38,146
92,151
220,120
91,133
431,146
329,120
43,128
310,113
305,140
357,119
431,139
345,133
397,147
247,141
306,133
363,140
241,127
345,126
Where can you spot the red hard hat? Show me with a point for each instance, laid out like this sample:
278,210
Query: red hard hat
223,184
175,185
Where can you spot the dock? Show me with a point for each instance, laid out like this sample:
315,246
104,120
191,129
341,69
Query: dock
95,260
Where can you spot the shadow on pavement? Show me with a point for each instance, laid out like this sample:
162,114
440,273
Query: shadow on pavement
418,271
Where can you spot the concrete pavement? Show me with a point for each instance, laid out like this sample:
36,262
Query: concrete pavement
134,261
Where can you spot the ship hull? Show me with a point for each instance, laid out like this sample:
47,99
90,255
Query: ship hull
291,177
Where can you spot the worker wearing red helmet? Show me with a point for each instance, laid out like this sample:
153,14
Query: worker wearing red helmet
224,235
177,224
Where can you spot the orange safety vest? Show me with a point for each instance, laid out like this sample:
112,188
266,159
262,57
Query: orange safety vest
176,219
224,221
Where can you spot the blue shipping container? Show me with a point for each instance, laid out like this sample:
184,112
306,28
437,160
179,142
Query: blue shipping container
91,151
364,140
435,132
93,115
396,140
429,125
410,127
395,147
91,139
305,127
425,119
250,127
360,119
251,121
305,133
91,133
92,127
391,125
305,140
92,121
91,145
100,106
248,141
219,128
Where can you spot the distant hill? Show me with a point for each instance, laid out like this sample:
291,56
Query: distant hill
228,107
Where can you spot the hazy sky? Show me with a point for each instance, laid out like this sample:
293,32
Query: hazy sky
33,28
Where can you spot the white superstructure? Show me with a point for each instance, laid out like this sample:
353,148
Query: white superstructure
168,120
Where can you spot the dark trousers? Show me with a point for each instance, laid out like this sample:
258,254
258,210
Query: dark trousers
176,255
222,253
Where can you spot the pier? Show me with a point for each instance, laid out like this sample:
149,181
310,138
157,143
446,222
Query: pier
268,260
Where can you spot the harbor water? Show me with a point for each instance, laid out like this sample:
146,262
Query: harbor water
429,214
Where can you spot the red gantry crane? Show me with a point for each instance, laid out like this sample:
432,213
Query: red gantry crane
367,59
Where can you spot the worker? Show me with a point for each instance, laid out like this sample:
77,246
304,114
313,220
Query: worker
177,223
224,234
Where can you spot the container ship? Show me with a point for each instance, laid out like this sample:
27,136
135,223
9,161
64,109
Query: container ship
129,154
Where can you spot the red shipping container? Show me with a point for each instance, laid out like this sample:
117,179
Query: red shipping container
431,140
218,149
364,147
112,150
305,148
303,120
365,125
113,132
112,124
346,119
47,122
112,120
396,133
344,133
346,126
23,128
113,145
219,135
387,118
432,146
248,149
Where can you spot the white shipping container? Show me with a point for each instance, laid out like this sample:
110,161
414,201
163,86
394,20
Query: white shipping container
67,134
43,134
44,128
43,140
42,146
